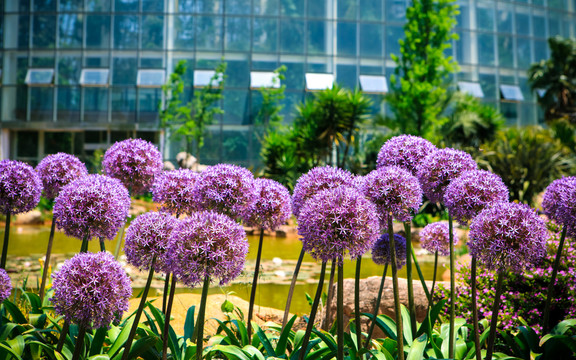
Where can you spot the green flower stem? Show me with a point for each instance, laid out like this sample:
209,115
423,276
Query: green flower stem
198,335
397,308
330,296
63,334
357,303
6,239
166,332
475,310
84,246
166,292
411,306
79,346
119,243
254,284
546,319
452,289
102,245
376,308
128,343
291,290
47,260
495,309
313,311
340,313
420,275
431,296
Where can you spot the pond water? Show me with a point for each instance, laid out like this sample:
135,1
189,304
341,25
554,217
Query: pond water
31,242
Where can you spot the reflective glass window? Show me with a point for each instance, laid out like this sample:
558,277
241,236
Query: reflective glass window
504,21
126,28
237,33
511,92
41,103
20,110
151,78
488,84
152,31
235,145
294,76
125,71
373,84
238,74
184,32
317,9
264,65
23,31
265,35
39,77
540,50
396,10
69,69
347,76
371,40
370,9
523,23
98,5
463,18
208,33
44,5
68,103
267,7
94,77
44,32
152,5
21,71
505,51
317,39
148,100
237,7
235,106
123,104
208,6
539,23
71,5
462,48
185,6
292,39
99,35
347,39
347,9
555,24
126,5
485,16
95,104
524,52
70,31
472,88
55,142
152,62
294,8
393,34
27,143
319,81
486,50
262,79
203,77
97,61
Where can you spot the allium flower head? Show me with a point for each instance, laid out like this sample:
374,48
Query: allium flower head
336,221
173,190
273,205
316,180
405,151
20,187
381,250
509,236
436,237
207,244
57,170
93,205
393,190
225,188
5,285
471,192
135,162
146,237
559,203
91,290
439,168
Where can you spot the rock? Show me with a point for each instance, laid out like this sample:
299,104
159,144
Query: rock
33,217
168,166
286,230
186,161
136,210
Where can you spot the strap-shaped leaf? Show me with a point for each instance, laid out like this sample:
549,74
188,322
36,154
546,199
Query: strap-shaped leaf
417,349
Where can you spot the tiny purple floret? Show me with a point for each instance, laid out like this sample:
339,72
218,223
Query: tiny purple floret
436,237
58,170
405,151
559,203
5,285
273,205
20,187
381,250
173,190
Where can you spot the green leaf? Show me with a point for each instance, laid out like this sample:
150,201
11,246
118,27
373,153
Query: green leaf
231,336
264,340
283,340
327,339
189,325
227,306
232,352
142,345
98,341
417,349
253,352
121,339
99,357
564,326
34,301
13,310
6,350
17,344
406,327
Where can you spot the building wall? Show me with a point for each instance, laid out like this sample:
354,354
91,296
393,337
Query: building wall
498,41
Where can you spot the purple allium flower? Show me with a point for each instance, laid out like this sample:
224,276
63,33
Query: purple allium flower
405,151
207,244
225,188
316,180
439,168
381,250
135,162
5,285
559,203
173,189
58,170
393,190
93,206
336,221
471,192
273,206
91,290
20,187
146,237
508,235
436,237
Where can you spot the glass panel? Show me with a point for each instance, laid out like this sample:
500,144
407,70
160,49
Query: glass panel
27,144
347,9
97,61
373,84
21,102
126,28
202,77
184,32
523,23
238,74
44,5
185,6
540,50
41,103
152,32
371,40
347,39
237,33
471,88
317,37
294,8
208,6
211,152
70,31
511,92
95,104
152,62
99,35
294,76
485,16
260,79
126,5
371,9
524,53
505,51
525,88
317,9
486,51
23,31
55,142
488,84
42,62
554,24
152,5
69,69
236,107
266,7
235,146
462,48
44,33
209,33
39,76
98,5
319,81
68,104
393,34
347,76
125,71
123,104
71,5
94,77
510,112
505,21
265,35
154,78
396,10
539,23
265,65
292,39
463,19
148,101
237,7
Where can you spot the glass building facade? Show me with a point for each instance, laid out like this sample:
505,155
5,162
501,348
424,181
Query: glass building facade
78,75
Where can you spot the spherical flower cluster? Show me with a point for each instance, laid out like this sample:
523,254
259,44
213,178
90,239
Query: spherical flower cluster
393,190
93,206
173,190
508,236
381,250
207,244
471,192
135,162
439,168
316,180
225,188
559,203
405,151
58,170
20,187
273,205
436,237
5,285
336,221
146,238
91,290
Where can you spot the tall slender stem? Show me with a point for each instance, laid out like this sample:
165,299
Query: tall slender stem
198,335
357,303
47,260
411,306
431,297
63,334
452,289
495,310
291,290
165,293
79,346
399,332
546,319
340,312
420,275
313,310
475,310
6,239
84,246
102,245
328,306
376,307
166,332
119,243
254,284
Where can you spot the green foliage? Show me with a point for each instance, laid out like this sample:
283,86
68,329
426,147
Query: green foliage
268,114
